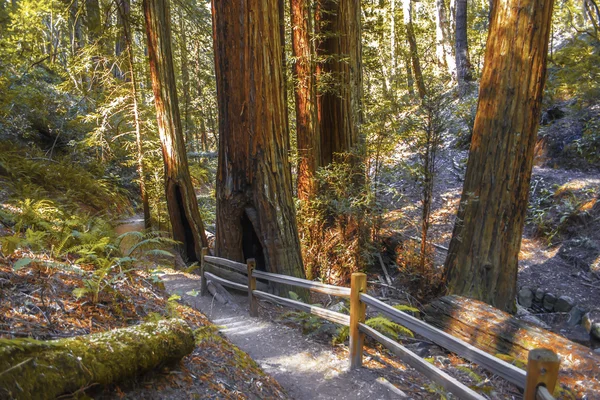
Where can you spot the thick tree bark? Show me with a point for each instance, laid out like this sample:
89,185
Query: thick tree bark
31,369
483,256
181,199
305,89
464,70
496,332
339,74
414,52
255,210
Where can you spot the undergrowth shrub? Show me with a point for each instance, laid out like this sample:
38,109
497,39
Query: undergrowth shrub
425,283
335,225
33,176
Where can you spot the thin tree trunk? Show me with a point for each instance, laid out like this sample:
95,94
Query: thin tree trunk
414,52
393,71
483,256
181,199
464,73
442,34
255,209
185,81
138,130
124,8
93,22
305,89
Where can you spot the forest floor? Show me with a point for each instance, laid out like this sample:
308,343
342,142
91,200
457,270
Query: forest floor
37,302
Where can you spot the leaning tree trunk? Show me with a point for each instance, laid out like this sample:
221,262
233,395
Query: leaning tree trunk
181,199
483,256
31,369
464,73
307,127
255,209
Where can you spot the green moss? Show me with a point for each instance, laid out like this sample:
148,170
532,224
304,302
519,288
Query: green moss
43,370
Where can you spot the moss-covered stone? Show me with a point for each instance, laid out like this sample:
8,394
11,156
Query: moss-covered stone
31,369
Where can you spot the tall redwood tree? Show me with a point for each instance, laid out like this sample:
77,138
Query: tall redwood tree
483,257
305,89
181,199
339,74
255,209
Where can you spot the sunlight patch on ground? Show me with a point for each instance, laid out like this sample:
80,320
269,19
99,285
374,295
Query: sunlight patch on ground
305,363
577,184
534,252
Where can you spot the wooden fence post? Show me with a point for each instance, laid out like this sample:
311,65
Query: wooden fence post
203,287
542,369
252,302
358,284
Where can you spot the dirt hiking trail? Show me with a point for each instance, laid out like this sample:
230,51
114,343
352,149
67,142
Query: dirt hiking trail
304,368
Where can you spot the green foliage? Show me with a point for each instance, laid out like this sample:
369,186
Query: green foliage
113,265
71,184
42,226
575,71
335,225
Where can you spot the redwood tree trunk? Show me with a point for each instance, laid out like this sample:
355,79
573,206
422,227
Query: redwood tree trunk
338,21
181,200
255,210
307,127
483,256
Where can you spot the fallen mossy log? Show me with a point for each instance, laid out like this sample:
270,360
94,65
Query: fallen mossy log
32,369
511,339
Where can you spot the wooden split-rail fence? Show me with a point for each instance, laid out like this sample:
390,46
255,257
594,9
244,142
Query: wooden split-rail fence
538,381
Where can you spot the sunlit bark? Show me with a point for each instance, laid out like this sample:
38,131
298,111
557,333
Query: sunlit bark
181,199
483,257
255,210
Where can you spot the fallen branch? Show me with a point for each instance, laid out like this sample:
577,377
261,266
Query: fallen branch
32,369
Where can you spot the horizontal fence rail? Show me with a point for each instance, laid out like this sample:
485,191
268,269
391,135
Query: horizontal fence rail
324,313
418,363
499,367
538,381
222,262
303,283
225,282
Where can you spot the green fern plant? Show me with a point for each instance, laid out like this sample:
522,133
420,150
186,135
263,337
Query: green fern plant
111,264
